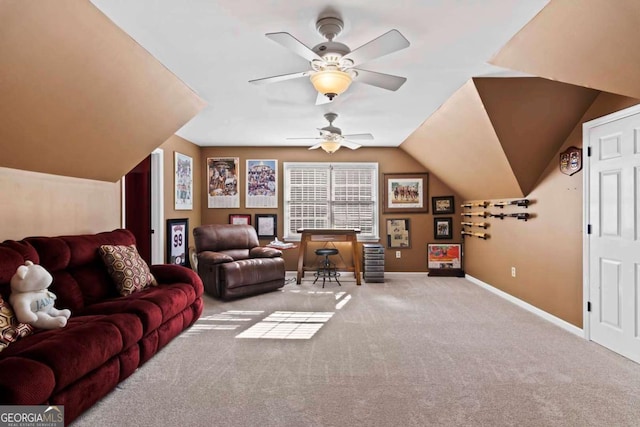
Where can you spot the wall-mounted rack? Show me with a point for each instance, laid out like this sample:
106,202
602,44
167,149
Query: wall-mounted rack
469,214
522,216
483,236
523,203
475,205
475,224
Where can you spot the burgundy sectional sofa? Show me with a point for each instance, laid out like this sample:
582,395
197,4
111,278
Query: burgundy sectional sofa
108,336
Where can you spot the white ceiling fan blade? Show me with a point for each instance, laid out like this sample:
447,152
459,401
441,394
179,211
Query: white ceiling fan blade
314,147
387,43
325,133
359,137
279,78
322,99
306,139
293,44
385,81
351,145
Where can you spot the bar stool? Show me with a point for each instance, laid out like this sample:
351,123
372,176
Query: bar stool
327,269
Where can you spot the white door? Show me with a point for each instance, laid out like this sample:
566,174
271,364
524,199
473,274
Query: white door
613,247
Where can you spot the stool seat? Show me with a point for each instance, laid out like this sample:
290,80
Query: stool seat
326,251
327,269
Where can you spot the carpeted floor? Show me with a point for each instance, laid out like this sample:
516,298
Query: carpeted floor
413,351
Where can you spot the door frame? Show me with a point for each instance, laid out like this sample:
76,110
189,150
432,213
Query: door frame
586,162
157,206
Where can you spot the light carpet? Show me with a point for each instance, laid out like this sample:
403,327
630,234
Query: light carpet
413,351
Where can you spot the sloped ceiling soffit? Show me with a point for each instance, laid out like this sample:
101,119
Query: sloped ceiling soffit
495,136
79,97
590,43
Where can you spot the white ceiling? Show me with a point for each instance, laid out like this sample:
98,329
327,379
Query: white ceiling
216,47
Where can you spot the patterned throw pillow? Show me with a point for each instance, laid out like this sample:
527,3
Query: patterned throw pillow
126,268
10,328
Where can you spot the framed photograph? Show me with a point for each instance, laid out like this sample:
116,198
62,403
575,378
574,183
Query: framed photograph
266,226
262,184
442,205
240,219
178,241
398,233
443,228
444,256
183,187
405,193
223,173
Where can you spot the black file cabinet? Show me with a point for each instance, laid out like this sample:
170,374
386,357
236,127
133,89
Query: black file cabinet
373,263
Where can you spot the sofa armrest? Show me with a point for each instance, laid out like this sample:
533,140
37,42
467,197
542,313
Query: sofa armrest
170,273
264,252
210,257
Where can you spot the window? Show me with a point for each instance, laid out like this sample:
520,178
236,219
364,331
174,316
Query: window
331,195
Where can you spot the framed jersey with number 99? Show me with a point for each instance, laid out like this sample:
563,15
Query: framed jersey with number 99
178,241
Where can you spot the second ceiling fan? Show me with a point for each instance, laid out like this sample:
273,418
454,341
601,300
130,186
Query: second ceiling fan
333,64
332,138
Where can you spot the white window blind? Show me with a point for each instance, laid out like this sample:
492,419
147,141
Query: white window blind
331,195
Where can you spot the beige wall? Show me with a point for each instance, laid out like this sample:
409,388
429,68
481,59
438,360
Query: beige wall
547,250
390,160
182,146
38,204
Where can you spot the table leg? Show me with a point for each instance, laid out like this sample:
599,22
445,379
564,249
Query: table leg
303,250
356,260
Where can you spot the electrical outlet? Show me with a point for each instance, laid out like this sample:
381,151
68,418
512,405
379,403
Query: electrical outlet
398,254
513,272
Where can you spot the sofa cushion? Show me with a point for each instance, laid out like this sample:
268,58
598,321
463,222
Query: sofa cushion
149,314
128,270
73,351
10,329
28,382
253,271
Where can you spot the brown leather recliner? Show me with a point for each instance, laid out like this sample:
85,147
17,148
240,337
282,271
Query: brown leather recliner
232,264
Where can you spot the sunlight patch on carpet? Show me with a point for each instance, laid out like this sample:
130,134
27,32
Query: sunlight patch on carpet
288,325
204,322
342,303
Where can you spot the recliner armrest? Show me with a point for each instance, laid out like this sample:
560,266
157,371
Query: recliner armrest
264,252
210,257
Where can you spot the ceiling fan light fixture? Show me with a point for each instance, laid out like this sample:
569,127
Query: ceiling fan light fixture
331,83
330,146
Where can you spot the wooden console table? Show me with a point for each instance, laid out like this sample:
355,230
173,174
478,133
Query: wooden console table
329,235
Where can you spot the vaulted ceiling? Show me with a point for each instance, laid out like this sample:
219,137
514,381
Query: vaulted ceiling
77,87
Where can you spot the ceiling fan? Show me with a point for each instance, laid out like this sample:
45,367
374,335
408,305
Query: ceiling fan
332,137
333,63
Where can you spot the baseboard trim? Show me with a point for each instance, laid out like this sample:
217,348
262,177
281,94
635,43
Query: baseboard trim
530,308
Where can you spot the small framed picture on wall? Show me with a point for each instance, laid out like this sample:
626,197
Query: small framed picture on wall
442,205
242,219
443,228
398,233
266,225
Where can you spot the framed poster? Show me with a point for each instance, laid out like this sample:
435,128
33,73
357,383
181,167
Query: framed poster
178,241
183,182
444,256
262,184
442,205
266,225
240,219
443,228
223,173
398,233
405,193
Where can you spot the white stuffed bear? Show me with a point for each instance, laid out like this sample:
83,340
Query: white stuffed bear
32,302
